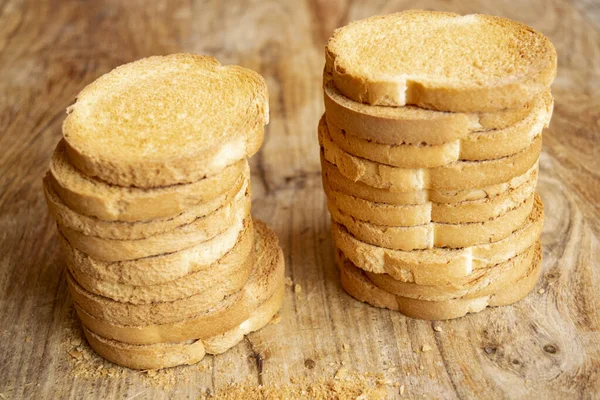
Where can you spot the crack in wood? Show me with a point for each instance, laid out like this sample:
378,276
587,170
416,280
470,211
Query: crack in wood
258,360
445,362
212,376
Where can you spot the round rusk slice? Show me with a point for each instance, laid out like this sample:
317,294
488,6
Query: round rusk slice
456,175
358,285
266,278
166,120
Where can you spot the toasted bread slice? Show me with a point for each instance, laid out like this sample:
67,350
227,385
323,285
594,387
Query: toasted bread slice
164,355
339,182
182,237
206,295
96,198
266,279
157,270
166,120
358,285
440,61
435,234
482,282
231,270
414,125
418,214
475,146
439,266
122,230
457,175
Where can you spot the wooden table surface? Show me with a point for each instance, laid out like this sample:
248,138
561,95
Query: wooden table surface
547,346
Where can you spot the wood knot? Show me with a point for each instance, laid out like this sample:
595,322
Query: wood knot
309,363
489,350
550,348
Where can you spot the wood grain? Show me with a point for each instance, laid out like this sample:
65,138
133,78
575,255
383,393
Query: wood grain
547,346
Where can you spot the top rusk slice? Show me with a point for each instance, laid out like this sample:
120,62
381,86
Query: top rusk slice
166,120
440,61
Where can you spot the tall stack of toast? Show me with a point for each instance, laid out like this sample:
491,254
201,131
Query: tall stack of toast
150,189
429,151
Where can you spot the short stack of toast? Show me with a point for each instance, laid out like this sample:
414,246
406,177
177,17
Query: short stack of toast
150,188
429,150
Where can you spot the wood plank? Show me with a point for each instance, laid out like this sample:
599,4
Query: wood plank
546,346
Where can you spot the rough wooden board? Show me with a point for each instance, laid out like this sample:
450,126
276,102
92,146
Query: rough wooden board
547,346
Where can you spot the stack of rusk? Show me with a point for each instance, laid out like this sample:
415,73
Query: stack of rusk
429,149
150,188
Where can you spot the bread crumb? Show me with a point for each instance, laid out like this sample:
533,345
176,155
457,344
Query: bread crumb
425,348
345,346
542,291
288,281
437,328
402,390
421,367
354,386
319,386
28,339
276,319
76,354
297,288
341,373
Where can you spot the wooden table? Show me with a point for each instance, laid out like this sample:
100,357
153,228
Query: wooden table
547,346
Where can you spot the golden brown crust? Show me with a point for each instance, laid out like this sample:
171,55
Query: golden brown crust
162,268
487,63
481,282
164,355
163,311
125,129
267,276
433,234
358,285
473,146
401,127
418,214
363,191
96,198
122,230
232,270
199,230
458,175
437,265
